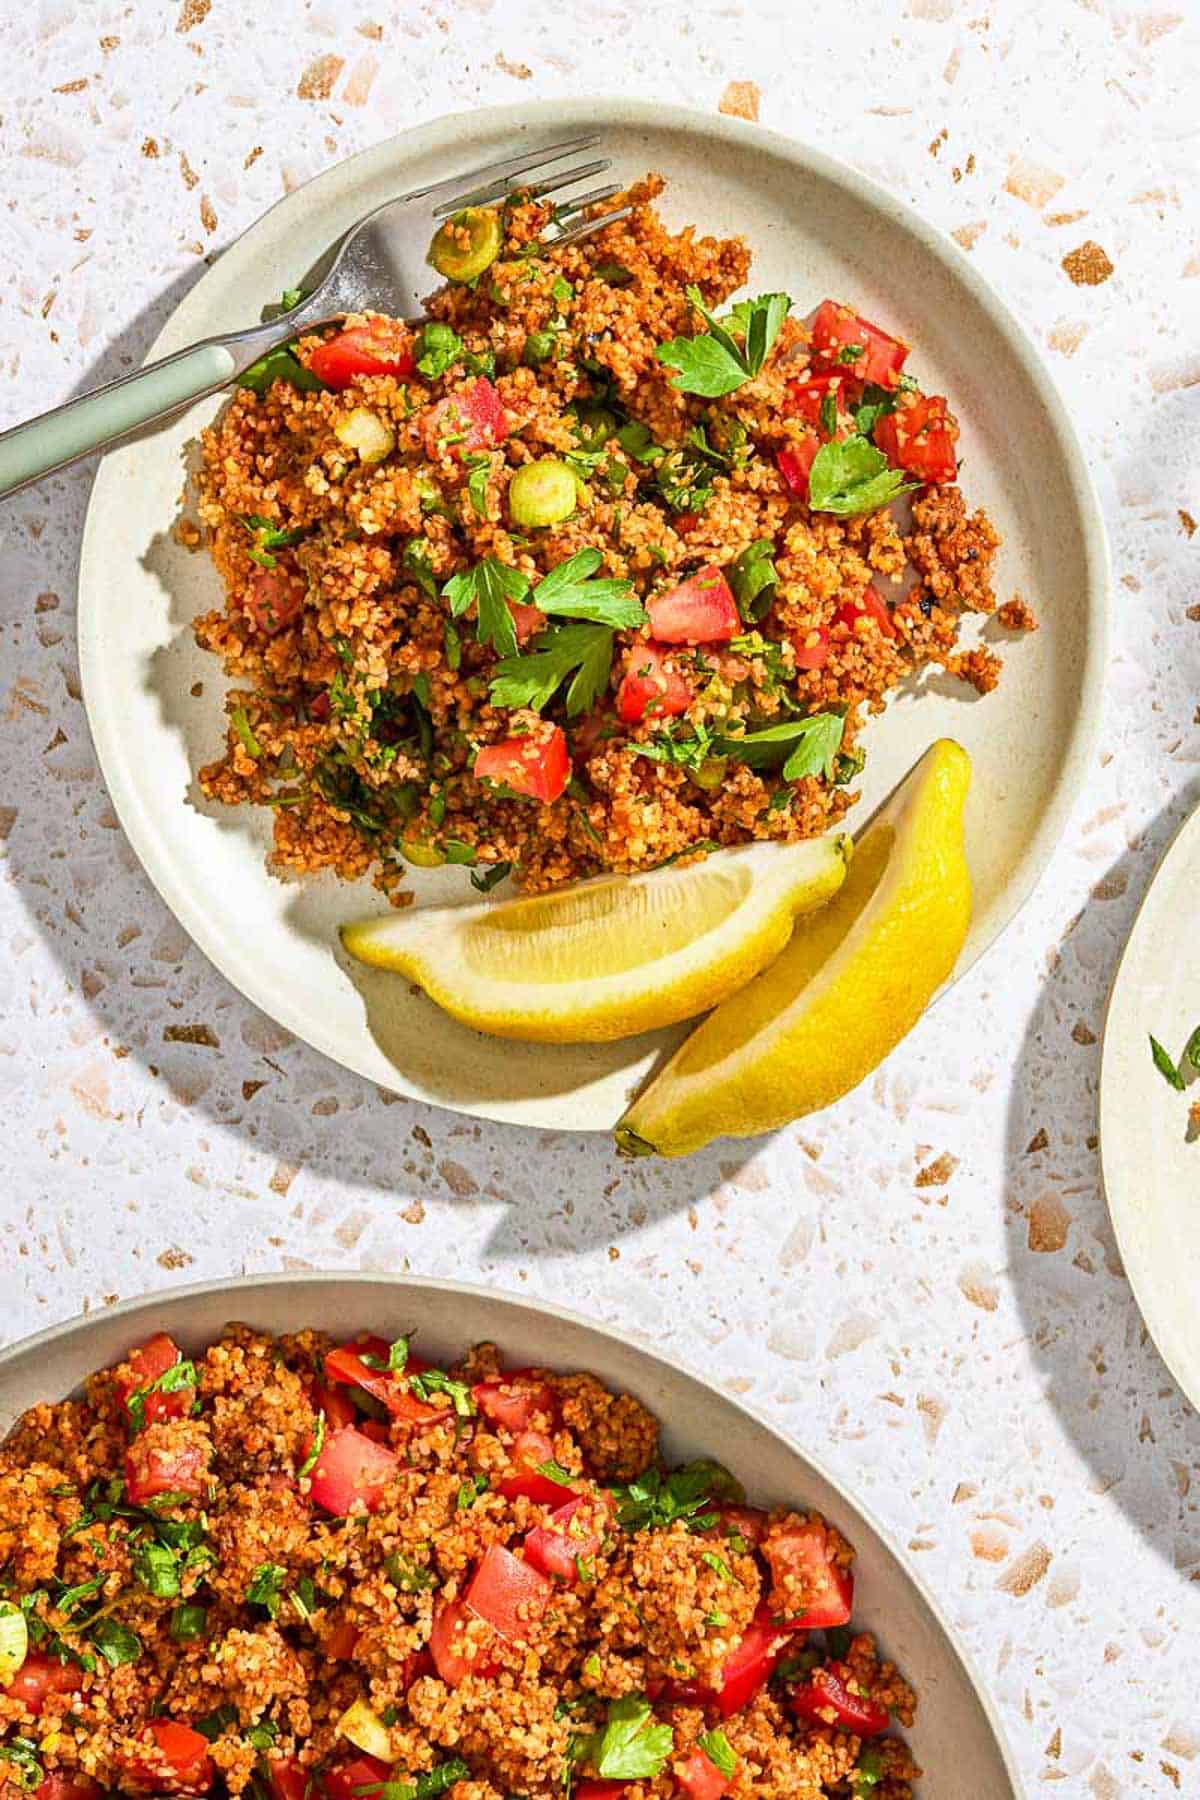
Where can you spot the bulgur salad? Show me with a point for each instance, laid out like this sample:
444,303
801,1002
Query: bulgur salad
297,1571
582,574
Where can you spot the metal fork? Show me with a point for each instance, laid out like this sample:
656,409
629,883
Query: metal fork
378,265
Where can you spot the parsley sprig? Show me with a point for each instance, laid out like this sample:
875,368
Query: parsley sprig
580,653
628,1747
715,362
850,476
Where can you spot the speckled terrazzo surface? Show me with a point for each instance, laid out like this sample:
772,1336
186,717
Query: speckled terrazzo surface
922,1283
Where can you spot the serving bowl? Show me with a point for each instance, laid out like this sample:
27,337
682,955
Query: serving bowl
816,228
957,1737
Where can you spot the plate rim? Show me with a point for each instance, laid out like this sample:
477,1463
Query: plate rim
138,822
160,1301
1184,842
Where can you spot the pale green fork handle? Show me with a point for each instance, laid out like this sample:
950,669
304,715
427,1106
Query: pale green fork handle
95,420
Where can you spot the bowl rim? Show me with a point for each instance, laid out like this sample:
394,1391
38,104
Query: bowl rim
160,1302
236,962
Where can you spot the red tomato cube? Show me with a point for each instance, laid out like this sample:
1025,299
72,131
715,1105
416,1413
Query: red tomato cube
866,609
753,1663
513,1401
384,347
525,1478
358,1779
162,1462
508,1593
920,437
147,1364
802,1559
571,1534
831,1697
811,648
174,1760
67,1786
39,1678
346,1367
450,1642
352,1472
274,598
537,764
796,461
700,610
700,1777
286,1779
651,685
469,420
836,329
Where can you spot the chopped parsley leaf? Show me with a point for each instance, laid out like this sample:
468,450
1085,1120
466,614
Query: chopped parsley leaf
436,1381
266,1587
753,577
851,476
115,1642
719,1751
179,1375
396,1360
628,1747
582,652
439,347
484,880
315,1448
490,585
1165,1065
715,363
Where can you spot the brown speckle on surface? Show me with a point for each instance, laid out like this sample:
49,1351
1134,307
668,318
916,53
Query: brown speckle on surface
370,29
208,217
989,1544
932,1414
108,44
203,1035
1082,1034
250,1088
360,81
460,1181
1049,1224
150,147
740,99
192,13
1066,337
518,70
173,1258
414,1213
1089,265
967,236
283,1177
1186,523
937,142
320,78
190,177
1065,218
976,1285
938,1172
1025,1571
1054,1747
8,818
1039,1141
253,156
1032,182
72,87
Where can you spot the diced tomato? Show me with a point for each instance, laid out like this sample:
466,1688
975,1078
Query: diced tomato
352,1472
147,1364
384,347
537,764
319,708
466,421
72,1786
508,1593
340,1643
572,1533
154,1467
346,1367
802,1558
920,436
41,1677
836,328
337,1407
357,1779
176,1760
446,1646
527,620
700,1777
811,648
525,1479
512,1401
651,683
700,610
747,1522
414,1666
685,522
830,1697
275,598
598,1790
865,609
806,398
752,1664
286,1779
795,462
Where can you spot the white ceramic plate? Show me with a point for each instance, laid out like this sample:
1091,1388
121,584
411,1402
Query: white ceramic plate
1151,1165
815,228
957,1738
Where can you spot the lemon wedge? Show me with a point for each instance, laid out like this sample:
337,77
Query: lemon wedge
850,984
610,957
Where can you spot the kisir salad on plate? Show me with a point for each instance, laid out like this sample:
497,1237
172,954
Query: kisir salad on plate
589,572
295,1571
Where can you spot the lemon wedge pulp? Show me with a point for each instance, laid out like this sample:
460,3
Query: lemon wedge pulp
852,982
610,957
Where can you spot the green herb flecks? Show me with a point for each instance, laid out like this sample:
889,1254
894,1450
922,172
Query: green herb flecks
580,653
187,1622
265,1587
629,1746
719,1751
753,577
267,537
806,746
179,1375
484,880
490,586
116,1643
851,476
655,1501
396,1360
715,363
868,1774
1166,1065
315,1447
436,1381
438,348
280,364
572,590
